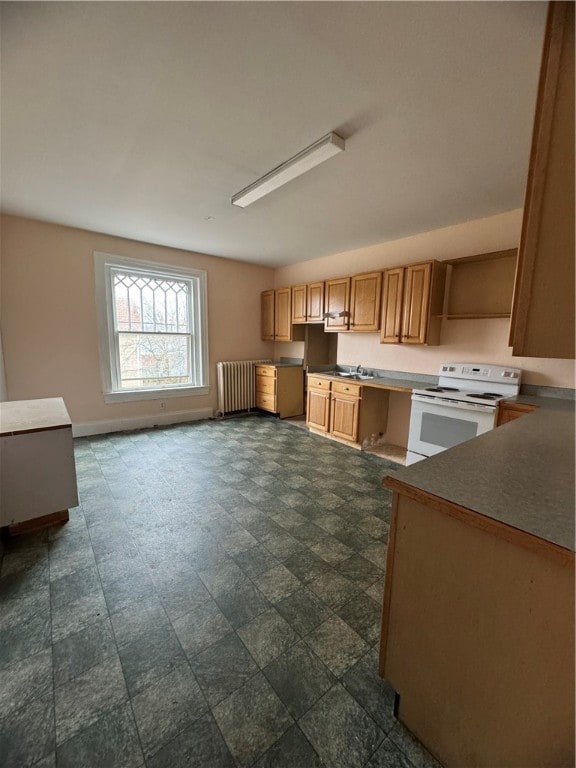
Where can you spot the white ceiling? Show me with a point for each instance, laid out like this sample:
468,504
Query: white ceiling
143,119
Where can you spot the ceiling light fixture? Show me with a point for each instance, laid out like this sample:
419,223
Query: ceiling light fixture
308,158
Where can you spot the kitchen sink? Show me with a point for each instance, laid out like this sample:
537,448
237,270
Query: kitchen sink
353,376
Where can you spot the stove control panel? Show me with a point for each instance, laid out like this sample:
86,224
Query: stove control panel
480,372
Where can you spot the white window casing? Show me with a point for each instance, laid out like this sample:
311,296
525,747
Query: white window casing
179,324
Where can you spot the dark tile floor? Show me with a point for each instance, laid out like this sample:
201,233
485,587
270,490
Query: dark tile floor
214,601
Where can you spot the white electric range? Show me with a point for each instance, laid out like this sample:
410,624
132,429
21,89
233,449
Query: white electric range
462,405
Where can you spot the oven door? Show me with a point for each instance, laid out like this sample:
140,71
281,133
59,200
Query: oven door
437,424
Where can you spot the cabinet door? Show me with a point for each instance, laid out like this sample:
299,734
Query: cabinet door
315,308
416,303
267,315
344,413
392,297
283,315
299,297
318,409
365,296
543,310
337,303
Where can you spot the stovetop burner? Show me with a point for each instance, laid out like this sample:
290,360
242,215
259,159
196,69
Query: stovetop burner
485,395
442,389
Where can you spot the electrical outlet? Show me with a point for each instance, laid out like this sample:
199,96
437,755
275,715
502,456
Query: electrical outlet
162,405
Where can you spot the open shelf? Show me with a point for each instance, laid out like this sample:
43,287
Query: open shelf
480,286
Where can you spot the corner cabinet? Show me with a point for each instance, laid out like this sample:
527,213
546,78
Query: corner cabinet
542,322
412,304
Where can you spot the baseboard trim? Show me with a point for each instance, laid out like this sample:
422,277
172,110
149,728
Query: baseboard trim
139,422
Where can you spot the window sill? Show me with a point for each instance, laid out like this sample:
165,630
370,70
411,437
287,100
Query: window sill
154,394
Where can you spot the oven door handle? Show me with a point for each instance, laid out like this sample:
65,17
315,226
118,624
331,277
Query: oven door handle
448,403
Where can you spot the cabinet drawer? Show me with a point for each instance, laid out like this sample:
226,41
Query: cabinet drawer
266,384
346,388
265,401
266,370
317,383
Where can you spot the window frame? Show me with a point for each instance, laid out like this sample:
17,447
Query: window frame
104,266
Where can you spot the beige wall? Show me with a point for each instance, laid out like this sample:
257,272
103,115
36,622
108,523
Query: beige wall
48,316
462,340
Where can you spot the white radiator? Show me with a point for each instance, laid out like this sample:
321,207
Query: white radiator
236,386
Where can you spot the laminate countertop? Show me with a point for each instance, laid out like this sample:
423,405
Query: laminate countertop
378,382
520,474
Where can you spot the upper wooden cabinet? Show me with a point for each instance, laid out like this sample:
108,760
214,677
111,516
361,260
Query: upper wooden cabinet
337,304
416,293
315,304
365,296
283,315
308,303
542,322
267,315
275,315
299,303
392,297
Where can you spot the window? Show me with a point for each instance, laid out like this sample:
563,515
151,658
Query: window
152,323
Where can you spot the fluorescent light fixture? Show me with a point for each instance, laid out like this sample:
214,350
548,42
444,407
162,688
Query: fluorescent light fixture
308,158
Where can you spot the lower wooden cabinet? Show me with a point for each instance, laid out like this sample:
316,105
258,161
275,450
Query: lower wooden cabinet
318,404
280,389
345,410
511,411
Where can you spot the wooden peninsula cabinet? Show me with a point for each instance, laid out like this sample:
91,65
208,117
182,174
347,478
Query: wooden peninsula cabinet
478,621
280,389
412,304
36,464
